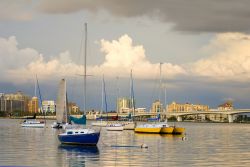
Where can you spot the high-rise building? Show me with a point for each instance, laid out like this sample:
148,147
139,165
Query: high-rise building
14,102
2,102
124,105
33,105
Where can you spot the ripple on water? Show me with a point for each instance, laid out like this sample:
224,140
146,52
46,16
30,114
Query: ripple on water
206,145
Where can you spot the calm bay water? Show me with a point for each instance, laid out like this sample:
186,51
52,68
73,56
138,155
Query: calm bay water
206,144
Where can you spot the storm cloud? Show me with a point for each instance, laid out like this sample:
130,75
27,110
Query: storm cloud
194,16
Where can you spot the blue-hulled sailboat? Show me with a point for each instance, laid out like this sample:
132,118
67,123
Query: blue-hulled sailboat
81,136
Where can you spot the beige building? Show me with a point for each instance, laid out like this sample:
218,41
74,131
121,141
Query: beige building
156,106
175,107
228,105
124,105
14,102
73,108
140,110
33,105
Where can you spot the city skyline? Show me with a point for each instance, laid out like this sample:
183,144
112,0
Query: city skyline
204,47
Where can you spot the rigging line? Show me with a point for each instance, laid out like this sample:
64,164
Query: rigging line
75,79
102,98
105,97
132,95
40,96
85,68
154,90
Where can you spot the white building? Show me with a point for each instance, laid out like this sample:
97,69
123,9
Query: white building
49,106
140,110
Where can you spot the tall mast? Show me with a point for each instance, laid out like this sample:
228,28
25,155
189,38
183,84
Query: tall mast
130,90
35,86
85,69
102,94
65,101
117,96
165,97
132,93
160,87
105,98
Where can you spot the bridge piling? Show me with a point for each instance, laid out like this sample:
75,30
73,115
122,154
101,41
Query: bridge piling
230,118
179,118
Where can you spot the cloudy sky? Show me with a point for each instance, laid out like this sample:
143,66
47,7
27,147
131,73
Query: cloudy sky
203,45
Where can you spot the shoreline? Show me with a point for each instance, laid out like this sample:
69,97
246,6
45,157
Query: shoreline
54,118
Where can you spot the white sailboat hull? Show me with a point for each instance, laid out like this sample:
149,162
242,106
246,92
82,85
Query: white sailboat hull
101,123
114,127
33,124
129,126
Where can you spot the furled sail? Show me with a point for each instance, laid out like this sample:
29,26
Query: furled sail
61,103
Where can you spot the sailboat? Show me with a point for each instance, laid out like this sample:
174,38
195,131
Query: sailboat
100,121
130,125
165,128
32,122
112,126
61,107
148,128
81,136
157,127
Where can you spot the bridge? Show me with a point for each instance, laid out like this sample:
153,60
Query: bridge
230,114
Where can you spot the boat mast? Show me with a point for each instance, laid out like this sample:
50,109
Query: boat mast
102,96
85,69
65,101
117,95
132,93
105,97
35,87
160,87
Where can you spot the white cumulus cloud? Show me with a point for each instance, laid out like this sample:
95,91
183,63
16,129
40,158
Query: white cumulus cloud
229,58
21,65
122,55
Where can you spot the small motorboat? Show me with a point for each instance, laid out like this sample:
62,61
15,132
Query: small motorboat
114,127
56,125
33,124
79,136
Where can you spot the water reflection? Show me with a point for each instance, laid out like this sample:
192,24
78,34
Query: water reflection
78,149
206,145
175,136
76,155
170,136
